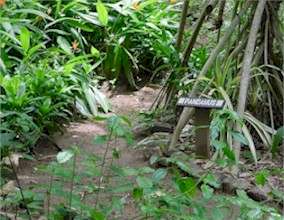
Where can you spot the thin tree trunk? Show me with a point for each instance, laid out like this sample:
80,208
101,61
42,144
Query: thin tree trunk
187,112
248,56
182,24
219,21
171,91
206,11
266,63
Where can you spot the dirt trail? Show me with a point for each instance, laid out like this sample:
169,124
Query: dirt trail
82,134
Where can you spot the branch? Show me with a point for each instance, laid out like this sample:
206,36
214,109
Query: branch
182,23
206,11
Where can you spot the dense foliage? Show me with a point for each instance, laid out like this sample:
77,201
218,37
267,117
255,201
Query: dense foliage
55,57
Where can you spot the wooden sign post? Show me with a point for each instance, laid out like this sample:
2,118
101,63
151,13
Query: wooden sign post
202,121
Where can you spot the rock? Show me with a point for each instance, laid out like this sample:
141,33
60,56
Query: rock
141,130
257,194
9,187
144,129
153,145
162,127
160,139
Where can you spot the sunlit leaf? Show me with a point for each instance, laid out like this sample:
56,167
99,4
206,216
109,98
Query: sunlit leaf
64,156
102,13
25,36
95,52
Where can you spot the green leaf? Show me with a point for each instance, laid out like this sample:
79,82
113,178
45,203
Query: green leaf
144,182
277,139
128,171
64,156
207,191
32,11
64,44
239,137
187,185
229,153
211,180
82,108
261,177
102,12
25,36
95,52
159,174
115,153
144,170
219,145
90,97
100,139
96,215
6,139
101,99
137,193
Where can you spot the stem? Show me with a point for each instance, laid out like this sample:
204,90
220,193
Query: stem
72,181
48,195
206,11
220,18
103,165
266,63
20,188
182,24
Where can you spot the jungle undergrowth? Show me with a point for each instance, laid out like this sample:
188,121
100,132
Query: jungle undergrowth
98,188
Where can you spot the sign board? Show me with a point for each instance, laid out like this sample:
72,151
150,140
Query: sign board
200,102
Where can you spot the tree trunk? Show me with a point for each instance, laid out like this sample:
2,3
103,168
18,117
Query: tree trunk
187,112
248,56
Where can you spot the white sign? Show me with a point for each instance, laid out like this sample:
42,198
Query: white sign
200,102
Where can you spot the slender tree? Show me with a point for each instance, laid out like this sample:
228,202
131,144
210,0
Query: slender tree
246,69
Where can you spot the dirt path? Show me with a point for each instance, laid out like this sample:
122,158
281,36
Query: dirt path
82,134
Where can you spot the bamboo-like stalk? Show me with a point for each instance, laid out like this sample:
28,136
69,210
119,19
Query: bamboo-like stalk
182,24
219,21
248,56
170,91
205,12
187,112
266,63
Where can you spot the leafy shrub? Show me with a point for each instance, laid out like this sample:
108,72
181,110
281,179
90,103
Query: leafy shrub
39,100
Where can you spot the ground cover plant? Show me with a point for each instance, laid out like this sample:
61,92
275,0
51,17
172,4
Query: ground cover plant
80,63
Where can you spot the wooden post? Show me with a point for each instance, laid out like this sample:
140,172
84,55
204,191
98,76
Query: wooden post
202,142
202,121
